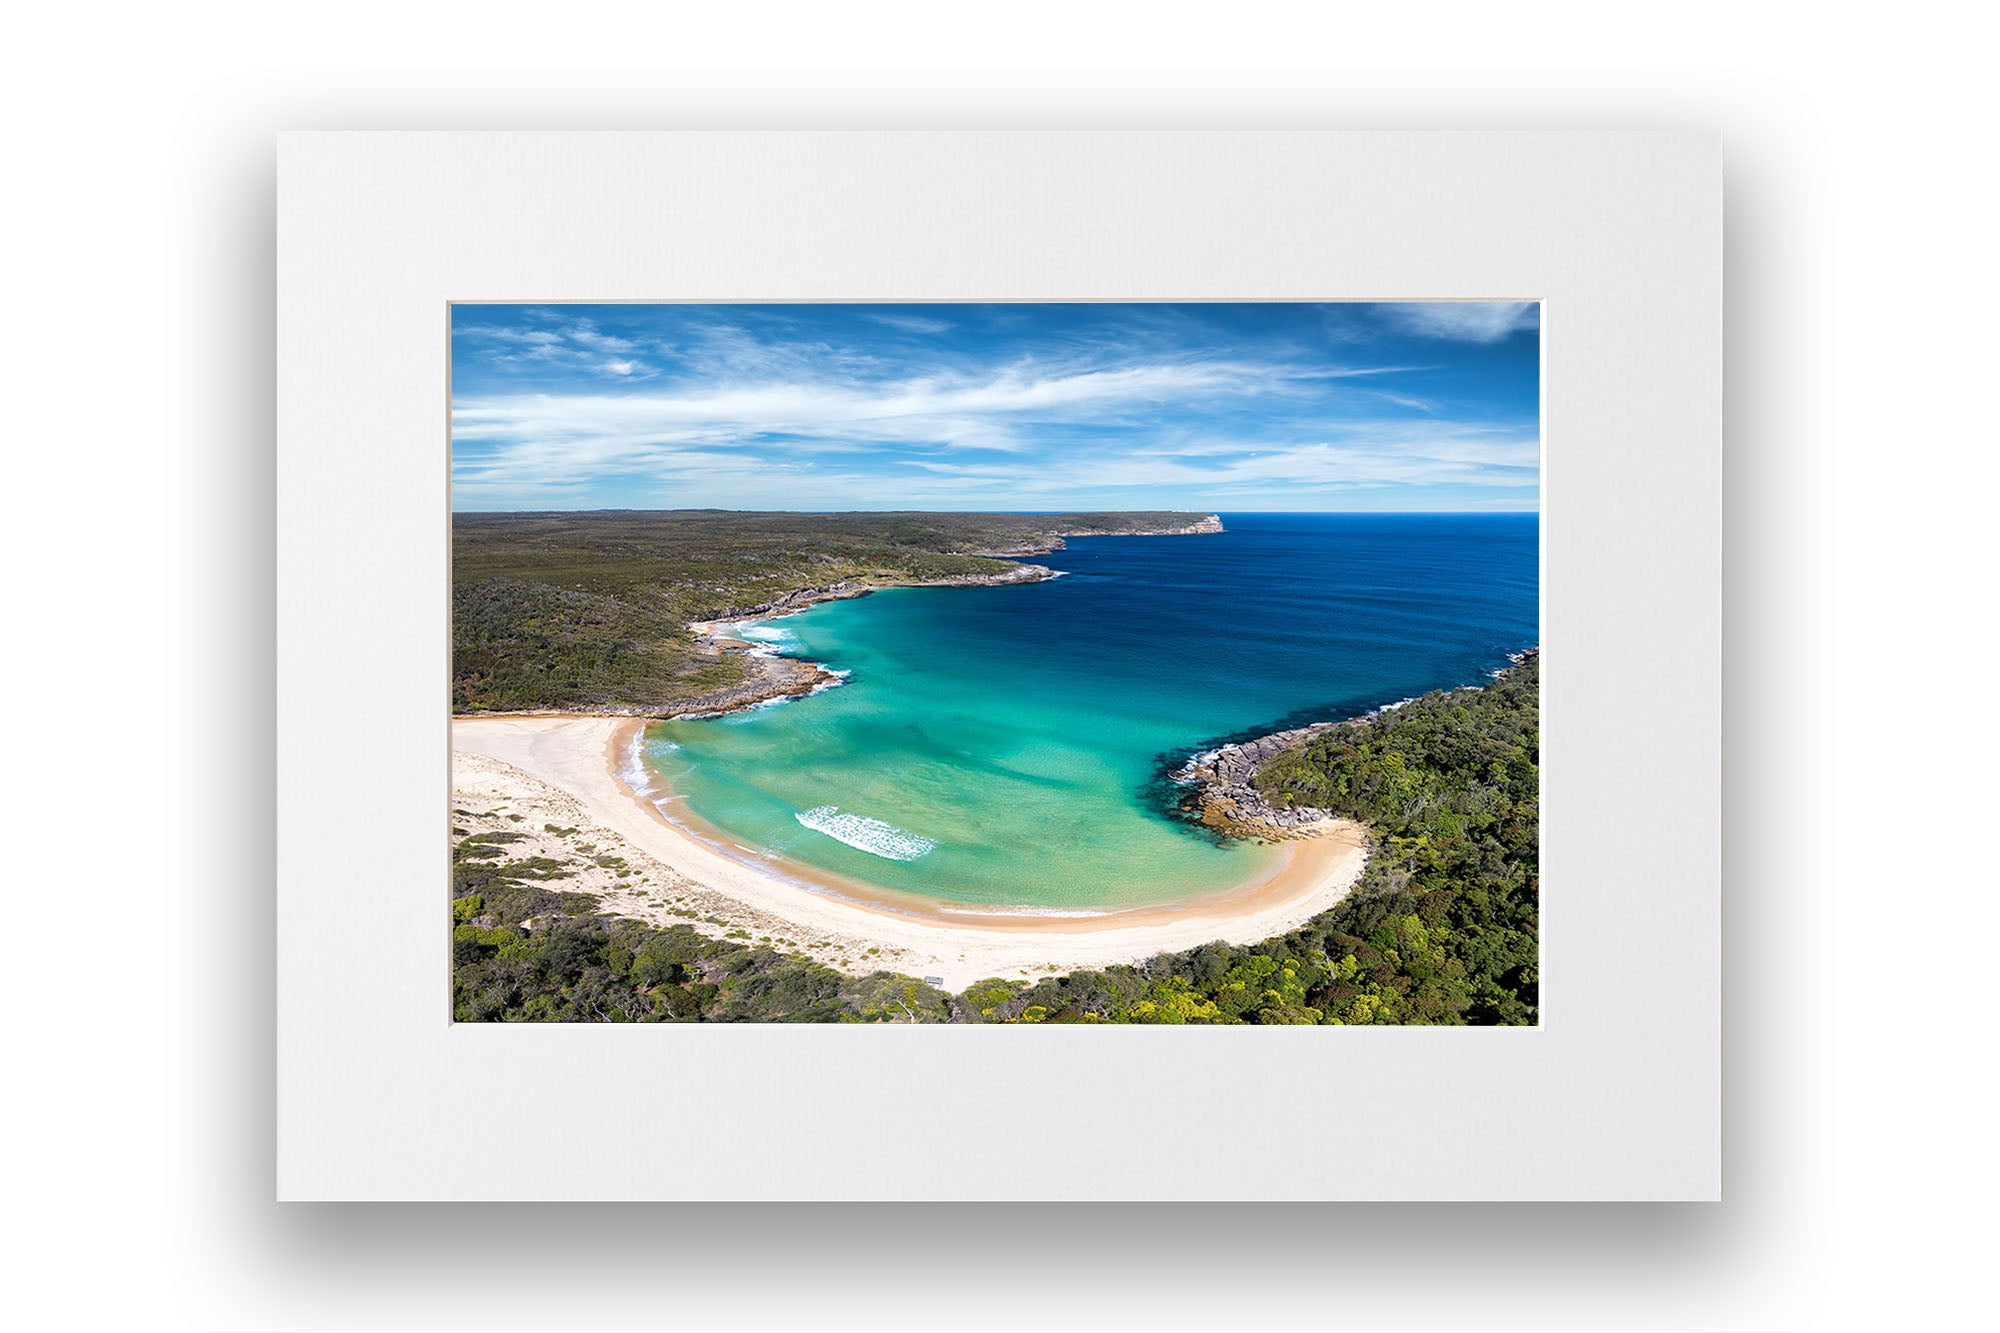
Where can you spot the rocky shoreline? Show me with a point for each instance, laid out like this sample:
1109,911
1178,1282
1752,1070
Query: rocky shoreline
1224,795
770,677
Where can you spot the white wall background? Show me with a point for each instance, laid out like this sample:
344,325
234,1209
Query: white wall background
137,343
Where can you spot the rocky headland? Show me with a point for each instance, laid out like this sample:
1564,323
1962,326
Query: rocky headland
1207,523
1222,783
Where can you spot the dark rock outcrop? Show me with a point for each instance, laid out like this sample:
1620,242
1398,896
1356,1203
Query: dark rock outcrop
1224,795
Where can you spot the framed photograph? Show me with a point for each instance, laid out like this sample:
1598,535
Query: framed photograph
929,666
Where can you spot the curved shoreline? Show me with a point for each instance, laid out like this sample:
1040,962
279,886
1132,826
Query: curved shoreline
582,757
774,676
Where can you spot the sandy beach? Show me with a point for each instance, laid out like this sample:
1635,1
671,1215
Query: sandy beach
568,771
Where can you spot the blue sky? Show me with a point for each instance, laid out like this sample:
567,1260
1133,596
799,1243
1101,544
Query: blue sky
1250,407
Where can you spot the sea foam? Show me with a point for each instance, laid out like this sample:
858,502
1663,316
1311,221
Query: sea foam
873,836
634,770
766,640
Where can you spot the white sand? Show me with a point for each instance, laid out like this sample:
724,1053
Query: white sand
569,767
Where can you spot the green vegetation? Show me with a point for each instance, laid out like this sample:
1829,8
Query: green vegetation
1441,929
589,611
598,969
524,951
1443,925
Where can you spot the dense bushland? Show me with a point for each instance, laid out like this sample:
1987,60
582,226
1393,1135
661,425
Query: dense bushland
1441,928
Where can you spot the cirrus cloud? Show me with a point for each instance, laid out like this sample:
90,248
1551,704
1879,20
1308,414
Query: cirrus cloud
1463,321
1018,406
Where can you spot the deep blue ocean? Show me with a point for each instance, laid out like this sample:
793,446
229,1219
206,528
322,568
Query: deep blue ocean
1281,615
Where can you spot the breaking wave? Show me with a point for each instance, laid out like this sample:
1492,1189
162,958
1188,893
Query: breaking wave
765,640
634,770
873,836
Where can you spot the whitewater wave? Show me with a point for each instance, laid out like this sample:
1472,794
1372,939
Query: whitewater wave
634,770
874,836
1185,774
765,640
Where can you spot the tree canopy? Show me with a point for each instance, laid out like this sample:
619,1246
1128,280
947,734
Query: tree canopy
1441,928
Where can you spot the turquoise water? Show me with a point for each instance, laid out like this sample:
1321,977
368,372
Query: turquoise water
1007,746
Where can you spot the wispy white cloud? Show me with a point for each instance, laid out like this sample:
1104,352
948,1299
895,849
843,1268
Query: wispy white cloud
1366,456
946,412
1462,321
569,344
585,333
911,323
1014,407
1328,473
1405,400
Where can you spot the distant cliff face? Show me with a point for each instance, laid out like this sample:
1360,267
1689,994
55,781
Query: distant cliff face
1052,540
1206,523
